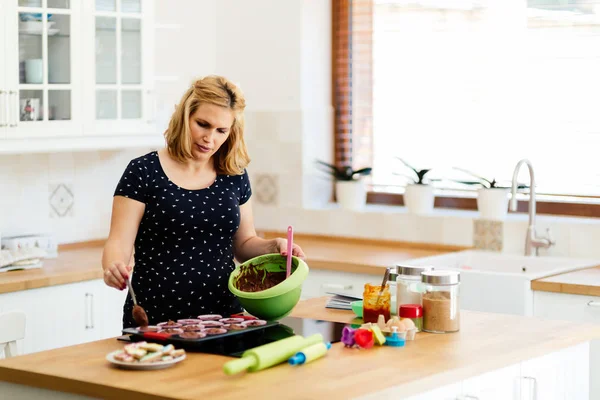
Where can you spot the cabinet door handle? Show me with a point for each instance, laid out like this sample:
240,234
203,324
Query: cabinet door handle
337,286
13,117
89,311
92,310
593,303
533,392
3,108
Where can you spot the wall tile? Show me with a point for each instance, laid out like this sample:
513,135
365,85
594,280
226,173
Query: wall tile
457,231
265,188
514,236
584,239
488,235
61,200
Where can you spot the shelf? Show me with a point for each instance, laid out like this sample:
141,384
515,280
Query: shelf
50,34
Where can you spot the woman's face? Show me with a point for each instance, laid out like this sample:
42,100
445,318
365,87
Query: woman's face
209,127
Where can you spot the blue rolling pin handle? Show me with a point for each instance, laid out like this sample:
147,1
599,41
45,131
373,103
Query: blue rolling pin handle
300,358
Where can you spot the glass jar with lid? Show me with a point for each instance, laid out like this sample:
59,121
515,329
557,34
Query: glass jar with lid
408,284
441,305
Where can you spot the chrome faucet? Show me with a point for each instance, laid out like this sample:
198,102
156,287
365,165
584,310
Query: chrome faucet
532,241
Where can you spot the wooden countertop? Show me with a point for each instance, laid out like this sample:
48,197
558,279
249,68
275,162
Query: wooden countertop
82,262
584,282
73,264
428,362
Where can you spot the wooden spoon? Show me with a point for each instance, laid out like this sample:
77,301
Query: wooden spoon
139,315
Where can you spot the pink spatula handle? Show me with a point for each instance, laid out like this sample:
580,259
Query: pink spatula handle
290,241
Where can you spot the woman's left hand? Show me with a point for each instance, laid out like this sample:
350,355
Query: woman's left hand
281,247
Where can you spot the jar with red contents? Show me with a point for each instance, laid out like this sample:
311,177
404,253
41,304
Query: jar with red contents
376,302
414,312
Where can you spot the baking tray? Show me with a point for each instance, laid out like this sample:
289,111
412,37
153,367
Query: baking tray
229,343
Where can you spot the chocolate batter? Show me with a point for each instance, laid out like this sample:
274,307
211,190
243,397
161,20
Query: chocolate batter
254,279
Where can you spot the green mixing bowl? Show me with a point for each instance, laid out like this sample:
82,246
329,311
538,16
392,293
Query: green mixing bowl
278,301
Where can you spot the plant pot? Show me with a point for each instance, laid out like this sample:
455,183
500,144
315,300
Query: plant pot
493,203
419,198
351,195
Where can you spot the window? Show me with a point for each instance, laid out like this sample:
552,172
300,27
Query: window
480,85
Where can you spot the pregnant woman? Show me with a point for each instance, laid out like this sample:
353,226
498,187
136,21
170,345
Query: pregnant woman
186,210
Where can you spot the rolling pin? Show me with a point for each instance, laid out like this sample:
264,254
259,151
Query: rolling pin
270,354
310,353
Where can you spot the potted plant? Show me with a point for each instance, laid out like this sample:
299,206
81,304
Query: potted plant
492,197
418,195
350,189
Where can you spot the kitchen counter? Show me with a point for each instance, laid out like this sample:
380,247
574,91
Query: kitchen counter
583,282
75,263
486,342
81,262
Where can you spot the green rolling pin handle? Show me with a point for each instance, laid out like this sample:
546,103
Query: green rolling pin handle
310,353
239,365
270,354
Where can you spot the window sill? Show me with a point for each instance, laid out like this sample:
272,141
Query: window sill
443,212
577,208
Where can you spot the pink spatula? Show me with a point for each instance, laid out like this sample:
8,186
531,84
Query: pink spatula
290,240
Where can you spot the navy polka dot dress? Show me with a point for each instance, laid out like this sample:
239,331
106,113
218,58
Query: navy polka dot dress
184,244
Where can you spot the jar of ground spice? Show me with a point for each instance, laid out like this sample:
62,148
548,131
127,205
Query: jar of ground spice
441,306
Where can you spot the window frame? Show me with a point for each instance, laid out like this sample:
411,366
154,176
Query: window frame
587,206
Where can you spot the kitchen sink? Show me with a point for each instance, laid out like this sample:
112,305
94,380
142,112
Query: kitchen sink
478,261
496,282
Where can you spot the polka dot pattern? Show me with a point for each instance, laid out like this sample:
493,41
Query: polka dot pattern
184,244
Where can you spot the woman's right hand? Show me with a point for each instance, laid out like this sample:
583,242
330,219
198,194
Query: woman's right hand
116,274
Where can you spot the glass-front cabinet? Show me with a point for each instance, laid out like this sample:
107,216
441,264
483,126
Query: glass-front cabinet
119,80
75,68
41,74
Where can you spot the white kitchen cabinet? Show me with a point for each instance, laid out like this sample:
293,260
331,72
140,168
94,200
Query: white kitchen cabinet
76,75
449,392
501,384
65,315
574,308
561,375
567,307
119,80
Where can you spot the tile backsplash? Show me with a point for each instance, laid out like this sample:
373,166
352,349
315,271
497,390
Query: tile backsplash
61,200
488,235
68,195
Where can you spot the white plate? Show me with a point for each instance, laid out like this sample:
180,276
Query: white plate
142,366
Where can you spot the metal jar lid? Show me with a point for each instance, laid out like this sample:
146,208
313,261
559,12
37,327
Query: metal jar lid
441,277
411,270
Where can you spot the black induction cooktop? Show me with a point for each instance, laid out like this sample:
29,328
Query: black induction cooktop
234,346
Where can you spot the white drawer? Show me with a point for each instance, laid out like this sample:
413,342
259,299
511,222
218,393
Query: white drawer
569,307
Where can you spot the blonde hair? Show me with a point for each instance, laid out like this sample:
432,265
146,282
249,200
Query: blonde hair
232,158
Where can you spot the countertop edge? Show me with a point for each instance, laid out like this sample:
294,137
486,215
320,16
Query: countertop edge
565,288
